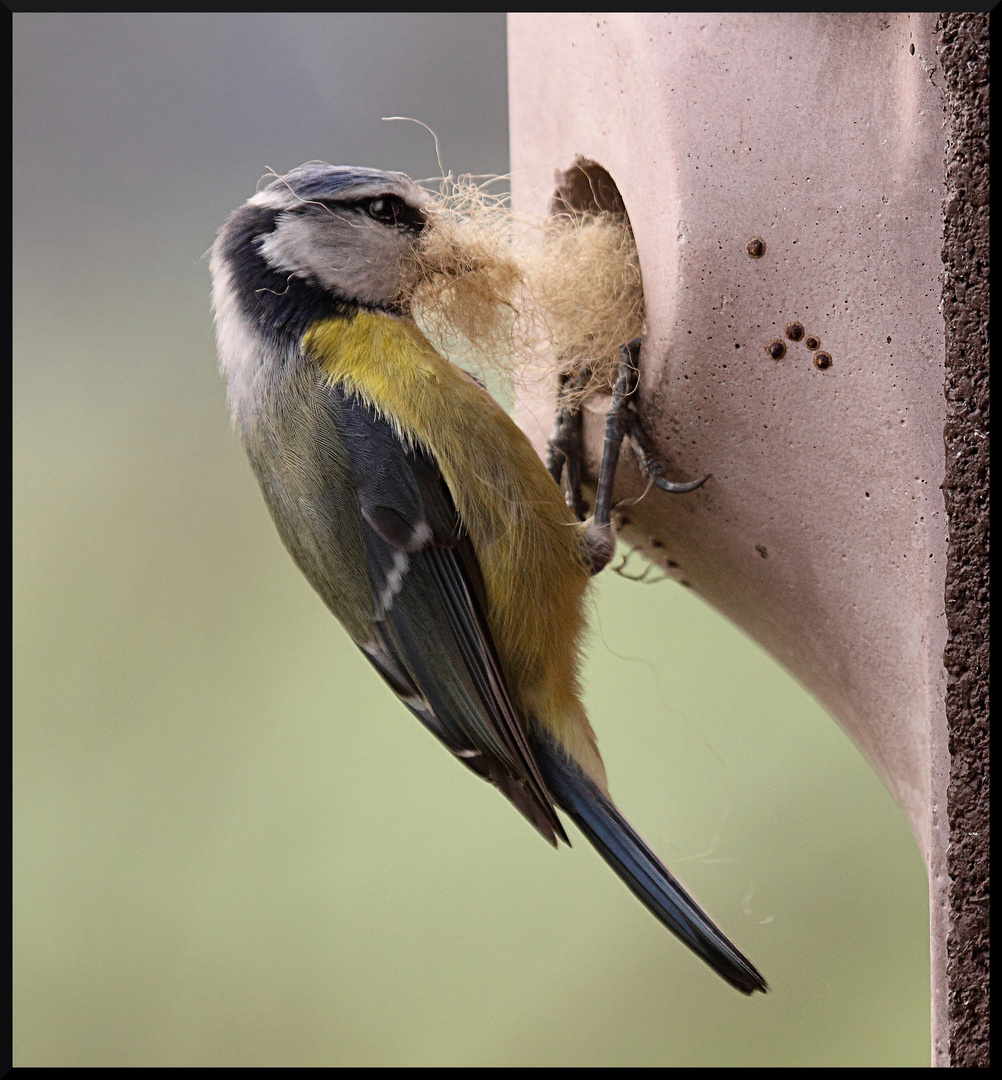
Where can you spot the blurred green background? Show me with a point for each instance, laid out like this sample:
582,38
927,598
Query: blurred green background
232,845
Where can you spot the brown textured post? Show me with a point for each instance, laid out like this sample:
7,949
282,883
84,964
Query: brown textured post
797,185
963,57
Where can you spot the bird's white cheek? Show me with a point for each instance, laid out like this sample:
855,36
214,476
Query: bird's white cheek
292,246
360,262
351,257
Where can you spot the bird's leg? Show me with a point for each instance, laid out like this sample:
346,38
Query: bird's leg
600,536
622,420
566,447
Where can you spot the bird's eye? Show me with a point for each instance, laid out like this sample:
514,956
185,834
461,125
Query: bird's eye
385,209
392,210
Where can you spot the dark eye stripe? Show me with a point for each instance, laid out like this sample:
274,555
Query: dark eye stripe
389,210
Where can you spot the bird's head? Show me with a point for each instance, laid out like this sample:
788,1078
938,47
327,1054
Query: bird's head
320,240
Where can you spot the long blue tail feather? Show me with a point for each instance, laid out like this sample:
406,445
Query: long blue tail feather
640,869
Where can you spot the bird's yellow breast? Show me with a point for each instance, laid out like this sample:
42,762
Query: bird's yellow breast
527,540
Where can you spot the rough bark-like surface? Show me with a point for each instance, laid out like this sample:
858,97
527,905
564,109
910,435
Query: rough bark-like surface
965,64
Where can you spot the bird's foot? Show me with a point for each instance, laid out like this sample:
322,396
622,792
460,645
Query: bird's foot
566,452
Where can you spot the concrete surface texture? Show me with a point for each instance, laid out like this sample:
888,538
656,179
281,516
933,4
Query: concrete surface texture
784,178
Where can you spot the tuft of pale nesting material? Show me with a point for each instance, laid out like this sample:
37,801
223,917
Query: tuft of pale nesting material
587,296
564,293
463,280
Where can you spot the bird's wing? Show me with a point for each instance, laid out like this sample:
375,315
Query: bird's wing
435,646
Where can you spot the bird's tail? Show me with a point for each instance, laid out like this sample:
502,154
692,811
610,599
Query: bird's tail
644,874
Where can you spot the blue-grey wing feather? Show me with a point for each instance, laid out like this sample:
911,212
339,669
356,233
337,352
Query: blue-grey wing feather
435,645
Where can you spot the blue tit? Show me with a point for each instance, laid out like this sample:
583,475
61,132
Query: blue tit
419,511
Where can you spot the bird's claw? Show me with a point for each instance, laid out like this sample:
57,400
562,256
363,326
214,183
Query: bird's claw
566,454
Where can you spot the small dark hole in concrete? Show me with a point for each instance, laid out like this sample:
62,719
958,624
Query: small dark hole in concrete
795,331
755,247
776,349
822,360
812,343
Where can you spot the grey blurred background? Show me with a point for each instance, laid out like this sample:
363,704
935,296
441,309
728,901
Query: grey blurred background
232,845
